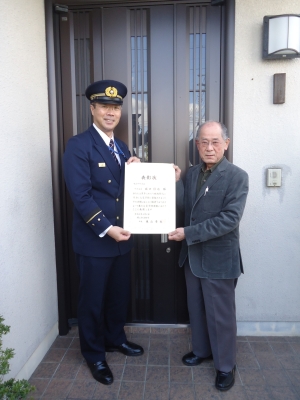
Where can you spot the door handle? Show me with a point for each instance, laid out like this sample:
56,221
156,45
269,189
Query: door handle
164,238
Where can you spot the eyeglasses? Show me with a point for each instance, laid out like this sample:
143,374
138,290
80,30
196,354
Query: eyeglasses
206,143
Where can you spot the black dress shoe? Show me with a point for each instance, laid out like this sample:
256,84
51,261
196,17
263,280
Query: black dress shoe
192,360
127,348
101,372
225,380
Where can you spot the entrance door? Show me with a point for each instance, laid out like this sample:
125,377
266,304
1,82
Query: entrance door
169,57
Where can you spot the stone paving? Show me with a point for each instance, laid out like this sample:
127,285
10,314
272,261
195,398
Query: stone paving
267,368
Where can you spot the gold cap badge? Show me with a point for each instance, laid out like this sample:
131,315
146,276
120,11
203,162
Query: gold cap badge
111,91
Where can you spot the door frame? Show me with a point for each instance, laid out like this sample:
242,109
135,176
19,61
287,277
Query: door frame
56,142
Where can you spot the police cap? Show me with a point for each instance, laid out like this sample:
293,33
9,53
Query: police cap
106,92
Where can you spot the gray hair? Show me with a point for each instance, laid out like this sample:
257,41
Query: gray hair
224,131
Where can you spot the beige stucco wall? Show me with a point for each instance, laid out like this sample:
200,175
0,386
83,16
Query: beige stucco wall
267,135
28,299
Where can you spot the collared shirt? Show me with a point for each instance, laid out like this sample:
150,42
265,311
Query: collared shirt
107,140
205,174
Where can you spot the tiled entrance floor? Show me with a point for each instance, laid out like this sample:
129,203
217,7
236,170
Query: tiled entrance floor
267,368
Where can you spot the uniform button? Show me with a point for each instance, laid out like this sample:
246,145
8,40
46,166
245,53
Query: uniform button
99,219
109,181
117,199
93,224
193,219
118,218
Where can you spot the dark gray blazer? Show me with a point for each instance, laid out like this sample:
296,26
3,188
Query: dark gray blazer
212,221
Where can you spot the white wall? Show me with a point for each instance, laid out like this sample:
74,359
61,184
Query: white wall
267,135
28,298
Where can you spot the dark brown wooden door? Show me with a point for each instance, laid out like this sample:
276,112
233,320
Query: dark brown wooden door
169,56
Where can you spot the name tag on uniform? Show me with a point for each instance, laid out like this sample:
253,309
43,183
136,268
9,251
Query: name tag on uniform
101,164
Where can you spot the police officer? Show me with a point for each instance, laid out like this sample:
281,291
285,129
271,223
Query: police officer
94,163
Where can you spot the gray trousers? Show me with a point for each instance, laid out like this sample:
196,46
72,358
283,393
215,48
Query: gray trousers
211,304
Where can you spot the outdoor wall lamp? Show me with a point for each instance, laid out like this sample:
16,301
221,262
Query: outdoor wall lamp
281,36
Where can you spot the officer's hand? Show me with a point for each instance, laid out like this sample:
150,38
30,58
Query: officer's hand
177,235
119,234
177,172
133,159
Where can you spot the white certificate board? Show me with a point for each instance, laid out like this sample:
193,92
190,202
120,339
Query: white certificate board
149,202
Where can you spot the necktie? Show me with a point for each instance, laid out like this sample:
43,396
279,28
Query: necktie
111,145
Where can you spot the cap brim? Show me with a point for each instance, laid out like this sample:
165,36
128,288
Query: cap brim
107,100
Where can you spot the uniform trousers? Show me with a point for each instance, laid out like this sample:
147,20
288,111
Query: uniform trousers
211,305
104,294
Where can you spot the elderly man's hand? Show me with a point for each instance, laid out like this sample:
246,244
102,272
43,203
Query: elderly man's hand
177,172
177,235
133,159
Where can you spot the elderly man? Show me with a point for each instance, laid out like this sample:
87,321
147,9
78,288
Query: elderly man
94,172
213,200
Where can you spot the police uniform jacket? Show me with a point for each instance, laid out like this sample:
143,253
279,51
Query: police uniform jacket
212,220
96,186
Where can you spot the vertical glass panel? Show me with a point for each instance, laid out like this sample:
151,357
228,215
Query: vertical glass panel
139,83
197,77
133,67
145,75
82,68
141,265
